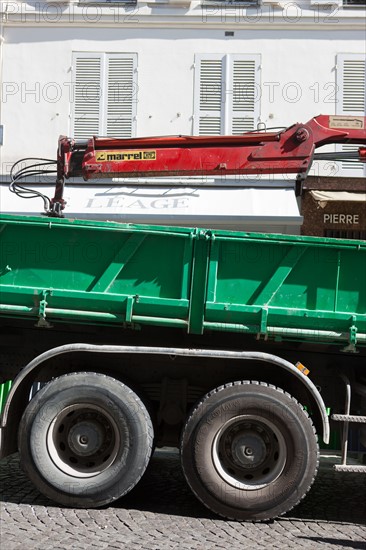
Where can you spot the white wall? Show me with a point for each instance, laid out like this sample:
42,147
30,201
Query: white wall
298,67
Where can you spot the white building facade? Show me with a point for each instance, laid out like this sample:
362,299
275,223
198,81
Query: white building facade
175,67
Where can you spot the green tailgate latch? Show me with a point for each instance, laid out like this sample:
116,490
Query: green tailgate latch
131,300
204,234
264,320
42,322
263,324
351,348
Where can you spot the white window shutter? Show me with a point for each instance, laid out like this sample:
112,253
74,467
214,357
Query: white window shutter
105,95
352,84
121,95
87,77
226,99
208,95
351,99
244,112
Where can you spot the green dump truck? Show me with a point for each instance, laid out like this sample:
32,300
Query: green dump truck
143,337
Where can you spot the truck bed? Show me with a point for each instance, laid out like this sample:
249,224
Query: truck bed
105,273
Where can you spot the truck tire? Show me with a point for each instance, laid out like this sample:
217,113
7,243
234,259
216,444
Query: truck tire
85,439
249,451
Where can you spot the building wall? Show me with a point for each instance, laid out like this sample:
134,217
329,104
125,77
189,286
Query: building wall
298,52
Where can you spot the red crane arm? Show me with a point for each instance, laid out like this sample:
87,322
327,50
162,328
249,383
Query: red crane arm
288,151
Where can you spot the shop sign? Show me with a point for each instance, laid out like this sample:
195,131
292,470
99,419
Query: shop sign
343,219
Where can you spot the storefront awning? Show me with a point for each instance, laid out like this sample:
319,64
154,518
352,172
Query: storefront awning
246,209
340,196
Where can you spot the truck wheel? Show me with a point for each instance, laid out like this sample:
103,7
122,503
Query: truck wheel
249,451
85,439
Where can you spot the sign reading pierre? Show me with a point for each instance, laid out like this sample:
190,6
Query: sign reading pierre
343,219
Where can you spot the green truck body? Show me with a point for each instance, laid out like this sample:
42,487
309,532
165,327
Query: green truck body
109,273
218,290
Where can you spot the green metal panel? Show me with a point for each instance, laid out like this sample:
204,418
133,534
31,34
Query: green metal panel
200,265
109,273
4,390
266,283
92,271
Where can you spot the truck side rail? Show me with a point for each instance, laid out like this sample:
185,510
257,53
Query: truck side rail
104,273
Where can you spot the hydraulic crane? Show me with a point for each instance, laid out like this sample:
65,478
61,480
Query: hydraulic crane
289,151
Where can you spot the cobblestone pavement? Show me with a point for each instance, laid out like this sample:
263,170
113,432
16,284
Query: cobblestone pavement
161,513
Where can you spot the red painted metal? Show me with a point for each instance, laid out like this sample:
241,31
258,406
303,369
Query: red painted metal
288,151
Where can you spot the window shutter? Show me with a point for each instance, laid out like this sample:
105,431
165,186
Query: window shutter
105,95
226,89
208,95
121,96
87,95
351,86
245,103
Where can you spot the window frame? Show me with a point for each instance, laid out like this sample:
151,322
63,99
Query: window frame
339,110
226,111
104,87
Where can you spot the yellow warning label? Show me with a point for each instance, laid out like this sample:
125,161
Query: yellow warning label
110,156
302,368
346,122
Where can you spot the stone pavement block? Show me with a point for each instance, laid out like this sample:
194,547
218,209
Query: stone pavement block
161,513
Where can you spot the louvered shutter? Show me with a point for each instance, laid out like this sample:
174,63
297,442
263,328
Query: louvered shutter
121,95
226,94
244,112
351,86
208,95
86,117
105,95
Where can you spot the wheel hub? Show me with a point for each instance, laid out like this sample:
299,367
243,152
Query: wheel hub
85,438
248,450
